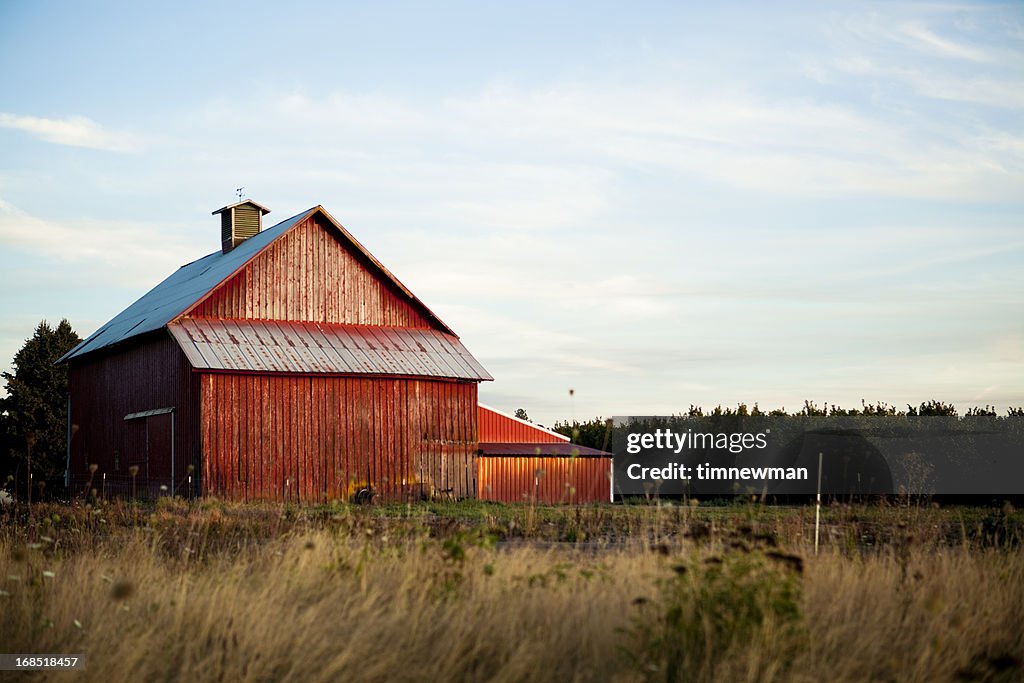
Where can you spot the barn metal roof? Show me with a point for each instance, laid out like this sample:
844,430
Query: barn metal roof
541,449
193,282
303,347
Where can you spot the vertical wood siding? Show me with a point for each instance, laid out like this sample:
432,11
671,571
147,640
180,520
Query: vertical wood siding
312,439
150,375
309,275
498,428
544,479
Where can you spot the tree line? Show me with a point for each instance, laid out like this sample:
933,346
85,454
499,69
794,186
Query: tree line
596,433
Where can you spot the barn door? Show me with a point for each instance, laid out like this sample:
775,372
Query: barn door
136,453
149,447
158,444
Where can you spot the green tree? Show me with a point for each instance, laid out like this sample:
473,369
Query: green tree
34,412
932,408
521,414
596,433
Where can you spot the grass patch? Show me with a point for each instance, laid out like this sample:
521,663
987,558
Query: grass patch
482,592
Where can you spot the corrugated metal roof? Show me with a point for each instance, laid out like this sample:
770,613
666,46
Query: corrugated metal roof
193,282
541,449
317,348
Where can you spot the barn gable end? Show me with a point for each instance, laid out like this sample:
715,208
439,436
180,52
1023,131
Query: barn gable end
312,273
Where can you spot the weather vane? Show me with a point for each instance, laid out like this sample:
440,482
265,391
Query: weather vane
239,192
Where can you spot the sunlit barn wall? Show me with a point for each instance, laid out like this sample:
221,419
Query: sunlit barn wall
308,438
307,275
522,462
544,479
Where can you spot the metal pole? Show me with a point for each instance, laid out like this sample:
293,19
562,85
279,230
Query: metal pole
817,511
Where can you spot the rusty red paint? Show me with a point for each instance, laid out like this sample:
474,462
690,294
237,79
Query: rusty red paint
323,438
499,427
544,479
315,273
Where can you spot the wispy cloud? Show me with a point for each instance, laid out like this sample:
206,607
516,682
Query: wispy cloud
1006,92
922,38
553,154
75,131
970,54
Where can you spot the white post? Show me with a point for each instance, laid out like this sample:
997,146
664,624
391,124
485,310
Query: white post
817,510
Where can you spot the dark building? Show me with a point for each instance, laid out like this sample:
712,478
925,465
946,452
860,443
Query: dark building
289,365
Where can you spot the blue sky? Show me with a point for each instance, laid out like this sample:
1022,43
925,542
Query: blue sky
654,205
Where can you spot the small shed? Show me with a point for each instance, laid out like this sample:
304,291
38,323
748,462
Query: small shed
521,461
289,365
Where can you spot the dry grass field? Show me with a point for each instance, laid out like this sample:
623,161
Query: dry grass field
476,592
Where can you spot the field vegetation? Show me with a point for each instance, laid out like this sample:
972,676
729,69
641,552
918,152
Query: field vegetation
211,591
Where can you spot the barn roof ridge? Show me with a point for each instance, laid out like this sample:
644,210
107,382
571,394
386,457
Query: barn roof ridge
193,282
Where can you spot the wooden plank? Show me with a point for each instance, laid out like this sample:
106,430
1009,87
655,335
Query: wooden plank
277,470
303,439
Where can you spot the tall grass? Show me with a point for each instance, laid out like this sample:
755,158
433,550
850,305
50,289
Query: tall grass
236,593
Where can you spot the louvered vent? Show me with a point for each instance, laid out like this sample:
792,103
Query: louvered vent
247,221
239,222
225,226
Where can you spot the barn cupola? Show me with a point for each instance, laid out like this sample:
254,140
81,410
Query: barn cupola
239,222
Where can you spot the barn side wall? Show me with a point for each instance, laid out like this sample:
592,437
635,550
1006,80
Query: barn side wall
104,389
309,275
498,428
313,439
544,479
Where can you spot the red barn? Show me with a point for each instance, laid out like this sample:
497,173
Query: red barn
520,461
289,365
